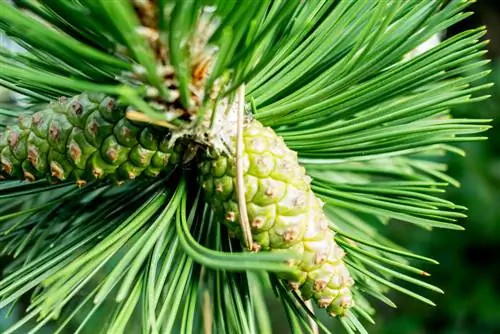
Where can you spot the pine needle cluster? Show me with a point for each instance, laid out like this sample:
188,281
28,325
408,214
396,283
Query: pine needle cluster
332,78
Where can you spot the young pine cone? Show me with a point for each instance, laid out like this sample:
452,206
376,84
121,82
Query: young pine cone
283,212
83,138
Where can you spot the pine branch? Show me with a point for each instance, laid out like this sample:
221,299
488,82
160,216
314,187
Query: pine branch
369,121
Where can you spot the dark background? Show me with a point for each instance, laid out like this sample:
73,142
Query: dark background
469,270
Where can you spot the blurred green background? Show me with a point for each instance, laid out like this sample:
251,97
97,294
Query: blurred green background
469,270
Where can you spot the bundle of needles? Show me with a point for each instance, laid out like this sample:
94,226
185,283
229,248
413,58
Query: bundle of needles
174,166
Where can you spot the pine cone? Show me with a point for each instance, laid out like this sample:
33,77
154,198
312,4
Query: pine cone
84,138
283,212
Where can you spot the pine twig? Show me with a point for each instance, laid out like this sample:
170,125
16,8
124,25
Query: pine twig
141,117
312,323
207,313
240,189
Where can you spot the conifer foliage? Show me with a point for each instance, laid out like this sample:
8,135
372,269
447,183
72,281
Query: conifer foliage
225,153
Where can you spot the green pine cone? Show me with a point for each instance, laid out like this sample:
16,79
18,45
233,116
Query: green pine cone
283,212
83,138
